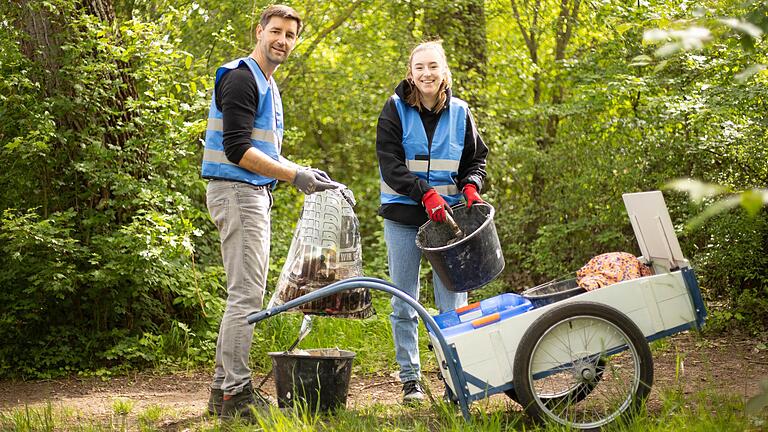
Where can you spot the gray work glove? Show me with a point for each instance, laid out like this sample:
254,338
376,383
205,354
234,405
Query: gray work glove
324,175
309,181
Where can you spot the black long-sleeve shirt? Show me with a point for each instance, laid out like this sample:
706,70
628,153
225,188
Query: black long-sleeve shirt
391,155
237,97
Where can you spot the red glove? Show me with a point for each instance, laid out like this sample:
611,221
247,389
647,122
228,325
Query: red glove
435,205
470,193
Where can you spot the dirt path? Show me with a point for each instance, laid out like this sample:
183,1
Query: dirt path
728,364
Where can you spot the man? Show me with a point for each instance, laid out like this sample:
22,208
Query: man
242,160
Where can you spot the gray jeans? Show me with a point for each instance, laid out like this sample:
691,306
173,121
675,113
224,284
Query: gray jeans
241,214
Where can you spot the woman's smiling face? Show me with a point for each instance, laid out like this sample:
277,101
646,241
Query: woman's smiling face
427,72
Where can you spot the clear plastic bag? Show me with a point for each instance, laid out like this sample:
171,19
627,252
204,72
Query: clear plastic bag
325,249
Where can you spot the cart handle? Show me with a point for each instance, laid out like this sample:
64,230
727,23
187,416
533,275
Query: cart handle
388,287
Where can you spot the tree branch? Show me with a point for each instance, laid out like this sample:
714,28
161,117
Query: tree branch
530,40
318,38
565,22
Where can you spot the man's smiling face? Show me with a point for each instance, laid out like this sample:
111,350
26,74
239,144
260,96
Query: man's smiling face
277,39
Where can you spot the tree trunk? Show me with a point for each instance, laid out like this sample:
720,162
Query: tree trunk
47,29
531,34
43,41
528,17
569,10
461,26
102,9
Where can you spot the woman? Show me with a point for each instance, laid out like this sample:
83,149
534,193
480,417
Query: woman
429,153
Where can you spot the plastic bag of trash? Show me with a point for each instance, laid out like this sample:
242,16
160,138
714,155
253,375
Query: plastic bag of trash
325,249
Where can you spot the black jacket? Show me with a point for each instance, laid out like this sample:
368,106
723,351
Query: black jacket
237,97
389,149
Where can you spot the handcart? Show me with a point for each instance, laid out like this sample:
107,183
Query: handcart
582,361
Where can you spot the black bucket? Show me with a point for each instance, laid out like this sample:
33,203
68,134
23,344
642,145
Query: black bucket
318,377
470,262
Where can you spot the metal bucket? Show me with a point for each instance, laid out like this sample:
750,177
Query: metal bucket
468,263
552,292
317,377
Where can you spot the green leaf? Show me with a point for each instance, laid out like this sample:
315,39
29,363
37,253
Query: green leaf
188,62
714,209
659,67
748,72
752,201
695,189
641,60
622,28
742,26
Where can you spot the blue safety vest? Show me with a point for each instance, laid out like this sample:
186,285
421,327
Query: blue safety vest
267,134
439,166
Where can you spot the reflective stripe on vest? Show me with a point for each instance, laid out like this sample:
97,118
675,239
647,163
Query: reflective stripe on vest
438,165
442,190
266,135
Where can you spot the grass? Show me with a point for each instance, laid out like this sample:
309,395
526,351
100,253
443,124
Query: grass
706,411
371,339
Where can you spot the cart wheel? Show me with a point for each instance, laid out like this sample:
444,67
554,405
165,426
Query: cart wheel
566,352
576,393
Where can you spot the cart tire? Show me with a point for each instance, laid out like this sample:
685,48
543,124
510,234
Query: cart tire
567,352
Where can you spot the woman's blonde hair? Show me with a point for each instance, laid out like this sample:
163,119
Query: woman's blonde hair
414,97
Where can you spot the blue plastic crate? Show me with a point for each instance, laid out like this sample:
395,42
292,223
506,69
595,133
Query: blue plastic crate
476,315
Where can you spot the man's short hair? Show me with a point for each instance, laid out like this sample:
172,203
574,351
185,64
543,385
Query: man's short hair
281,11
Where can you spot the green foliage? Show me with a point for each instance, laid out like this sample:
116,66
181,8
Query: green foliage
734,265
122,407
100,228
705,411
727,86
109,259
628,127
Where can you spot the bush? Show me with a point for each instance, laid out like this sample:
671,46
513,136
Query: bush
100,234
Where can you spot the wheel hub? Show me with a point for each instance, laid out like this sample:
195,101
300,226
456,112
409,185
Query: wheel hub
584,371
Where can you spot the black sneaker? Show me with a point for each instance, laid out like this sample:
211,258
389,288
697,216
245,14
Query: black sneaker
214,401
412,392
244,403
